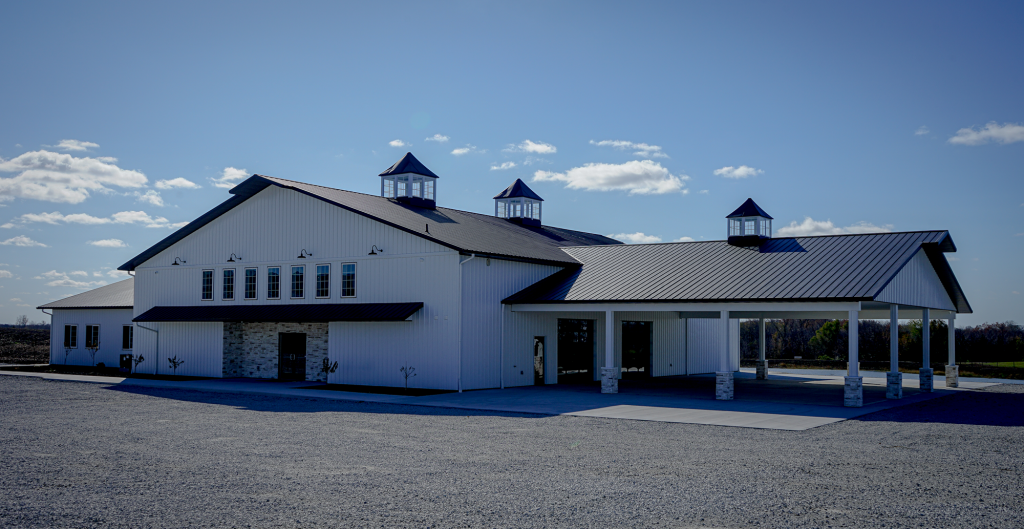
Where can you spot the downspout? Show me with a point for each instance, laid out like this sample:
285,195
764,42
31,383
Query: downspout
501,350
156,370
471,257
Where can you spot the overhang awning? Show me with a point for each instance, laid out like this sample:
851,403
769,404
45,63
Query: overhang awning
286,313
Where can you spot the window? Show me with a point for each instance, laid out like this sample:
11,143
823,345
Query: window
416,189
765,230
92,336
536,211
501,210
323,281
274,282
389,188
348,280
428,190
401,189
748,228
127,336
207,284
298,281
250,283
71,336
734,227
229,284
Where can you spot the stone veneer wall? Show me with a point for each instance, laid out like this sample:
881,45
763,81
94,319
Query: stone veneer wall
250,349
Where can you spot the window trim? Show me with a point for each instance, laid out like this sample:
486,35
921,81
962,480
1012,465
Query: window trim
202,286
131,337
316,281
278,267
245,283
224,283
75,327
355,275
291,282
87,325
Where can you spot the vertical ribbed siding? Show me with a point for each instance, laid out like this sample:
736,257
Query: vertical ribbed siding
704,339
520,329
917,284
483,288
110,321
668,341
199,344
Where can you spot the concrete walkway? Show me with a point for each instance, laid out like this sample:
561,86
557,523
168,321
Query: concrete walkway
783,402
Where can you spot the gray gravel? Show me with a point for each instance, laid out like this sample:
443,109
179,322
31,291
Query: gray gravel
87,455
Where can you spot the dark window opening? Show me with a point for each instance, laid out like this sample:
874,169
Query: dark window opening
71,336
127,336
575,349
636,347
207,284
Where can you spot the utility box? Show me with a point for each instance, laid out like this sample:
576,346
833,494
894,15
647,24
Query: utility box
126,363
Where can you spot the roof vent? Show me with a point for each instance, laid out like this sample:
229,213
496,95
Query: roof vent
410,182
518,203
749,225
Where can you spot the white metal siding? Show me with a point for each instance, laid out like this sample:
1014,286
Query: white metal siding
110,321
704,339
668,342
917,284
520,329
199,344
483,288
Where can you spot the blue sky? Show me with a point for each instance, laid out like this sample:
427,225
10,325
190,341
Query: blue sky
120,120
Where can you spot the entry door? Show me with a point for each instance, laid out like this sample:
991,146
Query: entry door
636,347
292,360
538,359
575,350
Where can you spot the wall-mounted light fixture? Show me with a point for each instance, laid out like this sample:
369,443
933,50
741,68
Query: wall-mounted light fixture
374,250
233,257
178,261
304,254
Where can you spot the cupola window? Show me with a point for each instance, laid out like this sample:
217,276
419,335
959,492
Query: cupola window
518,203
410,182
749,225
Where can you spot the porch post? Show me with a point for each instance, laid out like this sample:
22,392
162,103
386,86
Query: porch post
723,377
894,382
762,363
853,393
952,370
609,374
926,376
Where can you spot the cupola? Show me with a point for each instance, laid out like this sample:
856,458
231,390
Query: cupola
410,182
749,225
518,203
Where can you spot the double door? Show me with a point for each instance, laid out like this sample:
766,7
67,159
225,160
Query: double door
291,364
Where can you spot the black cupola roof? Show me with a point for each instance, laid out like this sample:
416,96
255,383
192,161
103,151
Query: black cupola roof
518,189
408,164
749,209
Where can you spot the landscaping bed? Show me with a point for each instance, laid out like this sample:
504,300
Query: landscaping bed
379,390
96,371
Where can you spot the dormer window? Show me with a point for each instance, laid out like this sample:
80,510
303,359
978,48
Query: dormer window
749,225
409,182
518,203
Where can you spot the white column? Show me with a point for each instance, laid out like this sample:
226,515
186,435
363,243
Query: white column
609,373
724,377
926,376
952,371
762,363
723,359
853,392
894,379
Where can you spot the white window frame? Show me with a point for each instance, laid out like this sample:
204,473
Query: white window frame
316,281
355,280
87,325
75,326
223,283
202,285
245,283
291,282
131,337
278,267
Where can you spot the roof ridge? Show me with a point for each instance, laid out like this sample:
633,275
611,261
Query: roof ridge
771,239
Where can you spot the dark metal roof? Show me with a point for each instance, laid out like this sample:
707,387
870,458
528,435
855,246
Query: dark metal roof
120,295
288,313
826,268
460,230
408,164
749,209
518,189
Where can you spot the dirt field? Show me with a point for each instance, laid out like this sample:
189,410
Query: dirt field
20,345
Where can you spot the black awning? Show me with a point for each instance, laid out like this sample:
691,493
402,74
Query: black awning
289,313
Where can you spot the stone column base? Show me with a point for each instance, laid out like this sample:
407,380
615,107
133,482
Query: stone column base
609,380
723,385
762,370
894,386
853,393
927,379
952,376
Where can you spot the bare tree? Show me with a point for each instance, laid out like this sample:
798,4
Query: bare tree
21,321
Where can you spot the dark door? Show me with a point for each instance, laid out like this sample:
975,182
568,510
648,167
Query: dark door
636,347
575,350
538,359
292,361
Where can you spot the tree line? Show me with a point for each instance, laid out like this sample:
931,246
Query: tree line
829,339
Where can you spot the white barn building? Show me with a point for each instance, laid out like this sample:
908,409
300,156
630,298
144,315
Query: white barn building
285,274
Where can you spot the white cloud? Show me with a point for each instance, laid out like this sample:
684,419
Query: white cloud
230,177
18,300
150,197
74,145
466,150
117,274
56,177
504,166
6,274
439,138
921,131
397,143
684,239
121,217
176,183
642,149
79,273
62,279
534,147
22,240
108,243
737,172
704,192
1005,133
635,238
825,227
642,177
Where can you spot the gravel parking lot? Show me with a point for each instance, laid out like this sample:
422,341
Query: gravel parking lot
89,455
